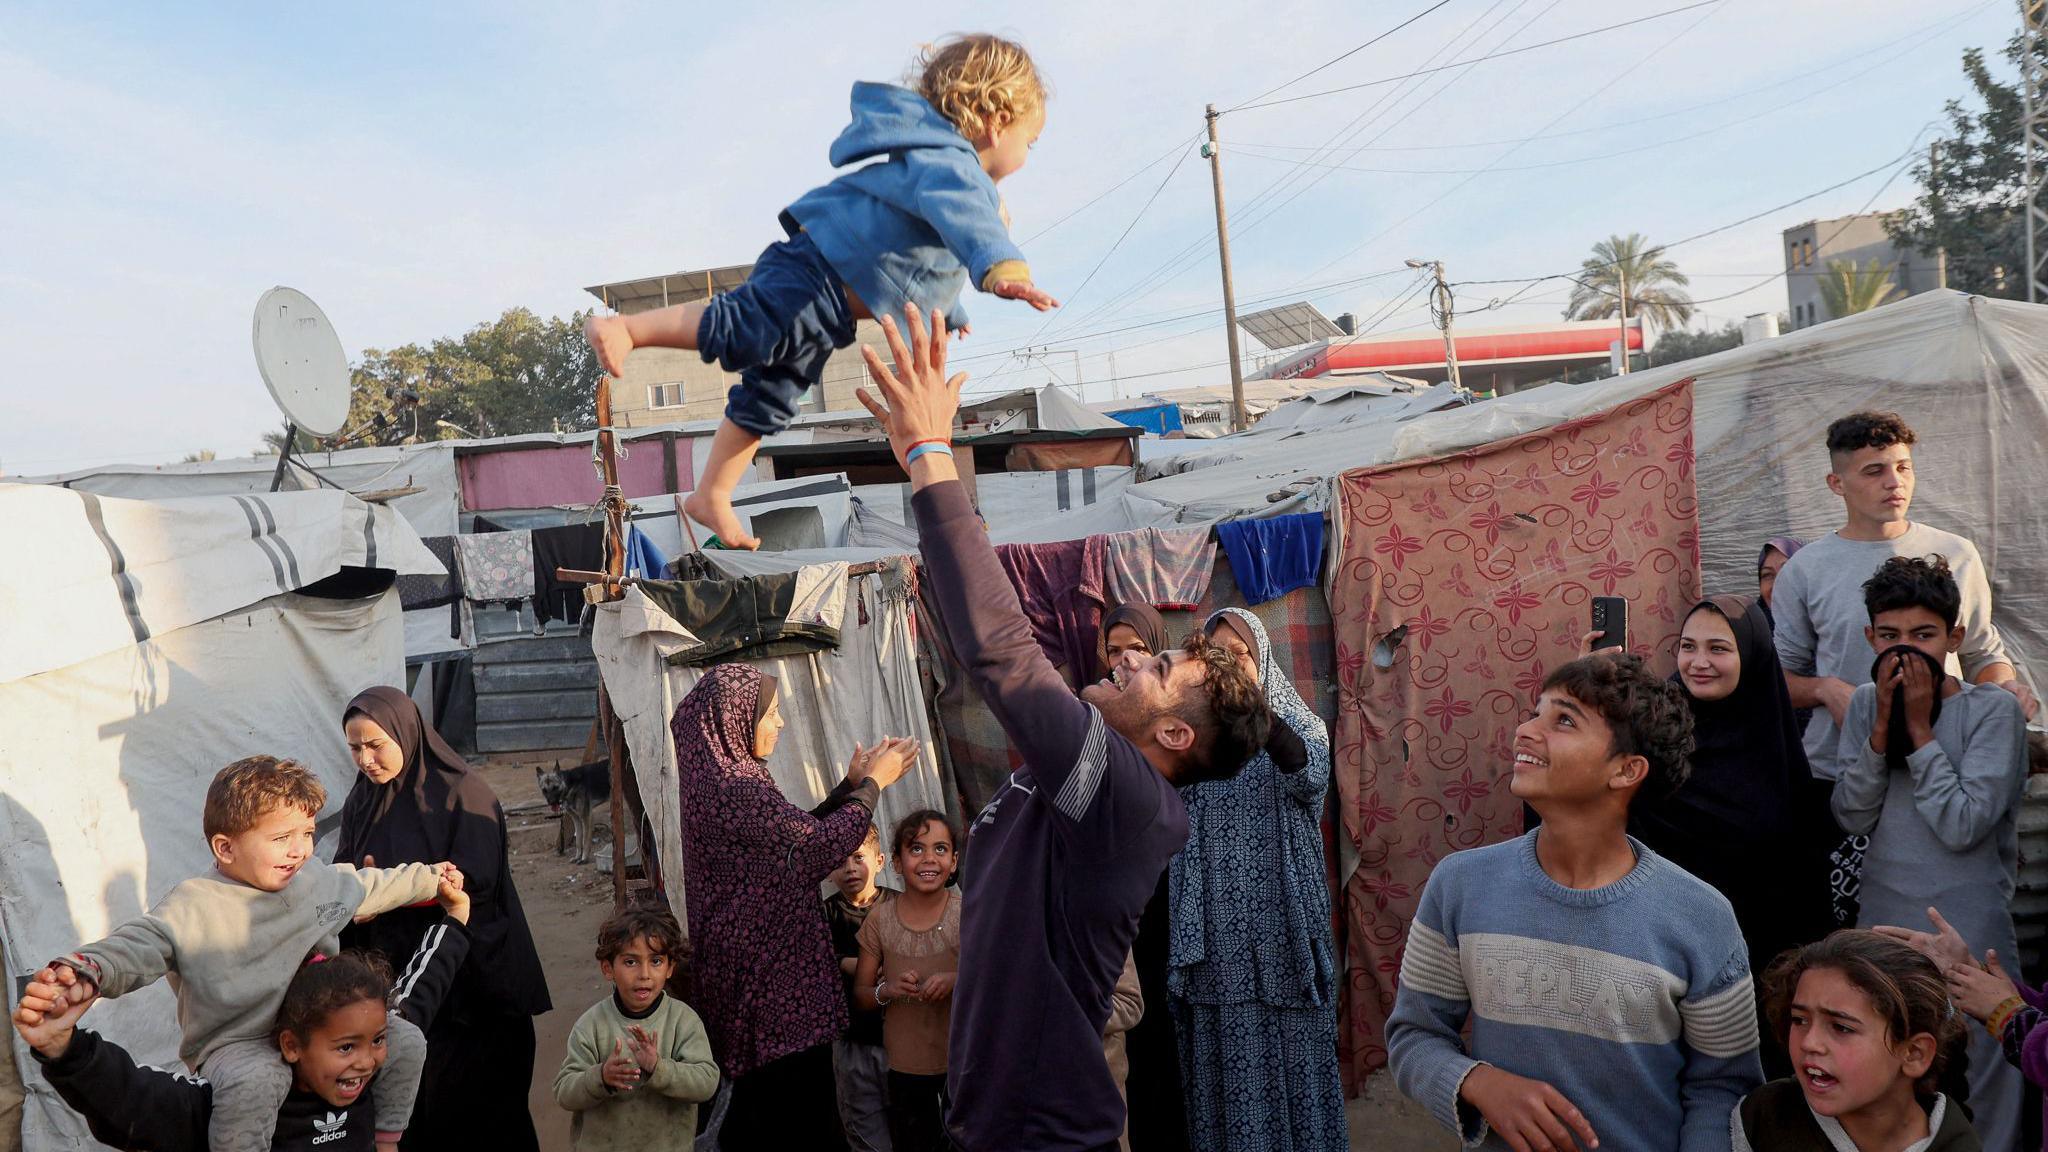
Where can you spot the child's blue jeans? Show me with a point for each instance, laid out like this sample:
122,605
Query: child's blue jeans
777,330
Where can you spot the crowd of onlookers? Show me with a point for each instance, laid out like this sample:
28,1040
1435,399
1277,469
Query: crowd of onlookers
1764,903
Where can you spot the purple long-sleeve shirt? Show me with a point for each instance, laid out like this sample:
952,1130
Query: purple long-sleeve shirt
1058,866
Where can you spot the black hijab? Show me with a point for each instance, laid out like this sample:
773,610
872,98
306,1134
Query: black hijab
1143,619
1749,768
437,809
1751,820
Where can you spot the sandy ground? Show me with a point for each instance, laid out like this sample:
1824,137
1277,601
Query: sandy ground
565,903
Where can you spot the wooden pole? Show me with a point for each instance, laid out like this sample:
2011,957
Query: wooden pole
1214,152
615,569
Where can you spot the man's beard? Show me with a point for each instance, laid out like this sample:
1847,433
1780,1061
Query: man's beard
1129,716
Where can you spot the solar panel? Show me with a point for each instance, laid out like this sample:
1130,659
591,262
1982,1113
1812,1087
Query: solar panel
1289,325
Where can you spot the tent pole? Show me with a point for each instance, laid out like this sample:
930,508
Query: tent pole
284,454
615,569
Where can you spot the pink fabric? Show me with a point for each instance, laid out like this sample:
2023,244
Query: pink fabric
1061,588
541,477
1489,558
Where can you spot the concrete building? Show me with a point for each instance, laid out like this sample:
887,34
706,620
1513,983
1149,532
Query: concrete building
1811,247
670,386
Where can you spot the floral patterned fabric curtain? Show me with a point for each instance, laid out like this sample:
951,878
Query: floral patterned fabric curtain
1464,580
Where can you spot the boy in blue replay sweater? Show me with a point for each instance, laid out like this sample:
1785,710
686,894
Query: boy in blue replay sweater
1608,990
911,229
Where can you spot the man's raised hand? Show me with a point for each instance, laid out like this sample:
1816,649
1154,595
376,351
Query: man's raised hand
918,401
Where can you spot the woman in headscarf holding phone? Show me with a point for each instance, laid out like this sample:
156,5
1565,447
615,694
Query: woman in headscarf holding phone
416,800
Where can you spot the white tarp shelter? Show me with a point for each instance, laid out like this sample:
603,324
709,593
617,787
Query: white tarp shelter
144,646
436,510
866,688
1969,373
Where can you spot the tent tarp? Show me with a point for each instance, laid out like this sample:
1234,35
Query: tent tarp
871,682
432,512
1969,373
104,764
110,573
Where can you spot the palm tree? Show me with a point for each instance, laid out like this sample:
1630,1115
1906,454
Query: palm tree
1654,284
1849,287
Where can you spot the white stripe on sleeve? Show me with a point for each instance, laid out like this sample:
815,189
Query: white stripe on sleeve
1082,783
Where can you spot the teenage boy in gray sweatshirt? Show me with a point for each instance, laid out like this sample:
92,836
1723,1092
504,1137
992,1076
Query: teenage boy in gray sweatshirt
231,941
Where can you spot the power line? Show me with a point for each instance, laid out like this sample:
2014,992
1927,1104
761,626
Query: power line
1353,52
1661,143
1118,243
1918,36
1493,56
1184,260
1712,7
1099,197
1717,230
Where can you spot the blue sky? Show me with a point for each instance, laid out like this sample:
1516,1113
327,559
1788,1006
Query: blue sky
420,168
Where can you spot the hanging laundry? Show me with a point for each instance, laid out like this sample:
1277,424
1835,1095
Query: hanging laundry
416,592
496,565
1061,587
756,617
643,556
1274,556
578,546
1163,567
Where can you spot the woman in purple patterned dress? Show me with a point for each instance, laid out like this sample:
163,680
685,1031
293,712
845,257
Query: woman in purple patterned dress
766,982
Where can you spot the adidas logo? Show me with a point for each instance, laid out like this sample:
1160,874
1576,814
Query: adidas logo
331,1129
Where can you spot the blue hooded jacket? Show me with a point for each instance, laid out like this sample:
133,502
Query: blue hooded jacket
914,227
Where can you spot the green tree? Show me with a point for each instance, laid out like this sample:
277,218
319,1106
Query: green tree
1655,285
1848,287
199,457
519,373
1972,200
273,443
1684,344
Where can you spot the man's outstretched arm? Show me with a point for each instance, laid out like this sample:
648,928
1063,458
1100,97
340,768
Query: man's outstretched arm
990,635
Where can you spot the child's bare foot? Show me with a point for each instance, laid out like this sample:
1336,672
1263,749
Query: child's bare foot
611,341
714,511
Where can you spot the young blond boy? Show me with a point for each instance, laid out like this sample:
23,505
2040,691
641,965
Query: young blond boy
911,229
231,941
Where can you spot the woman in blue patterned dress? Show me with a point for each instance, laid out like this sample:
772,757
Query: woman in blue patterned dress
1252,979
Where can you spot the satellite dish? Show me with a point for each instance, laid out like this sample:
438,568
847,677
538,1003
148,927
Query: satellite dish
302,362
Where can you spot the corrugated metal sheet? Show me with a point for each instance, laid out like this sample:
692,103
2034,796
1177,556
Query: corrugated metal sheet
535,693
2030,903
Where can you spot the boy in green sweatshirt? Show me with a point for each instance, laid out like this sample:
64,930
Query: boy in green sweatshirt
639,1061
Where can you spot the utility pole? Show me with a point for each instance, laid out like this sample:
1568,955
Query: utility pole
2033,17
1442,294
1214,153
1622,271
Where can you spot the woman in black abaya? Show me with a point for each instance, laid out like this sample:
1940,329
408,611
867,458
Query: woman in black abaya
417,801
1750,819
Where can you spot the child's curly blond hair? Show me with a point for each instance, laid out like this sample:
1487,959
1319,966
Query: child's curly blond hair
975,80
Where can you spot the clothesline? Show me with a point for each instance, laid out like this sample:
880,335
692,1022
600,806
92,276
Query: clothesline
580,576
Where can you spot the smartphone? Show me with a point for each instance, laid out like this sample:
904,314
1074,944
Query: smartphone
1610,618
